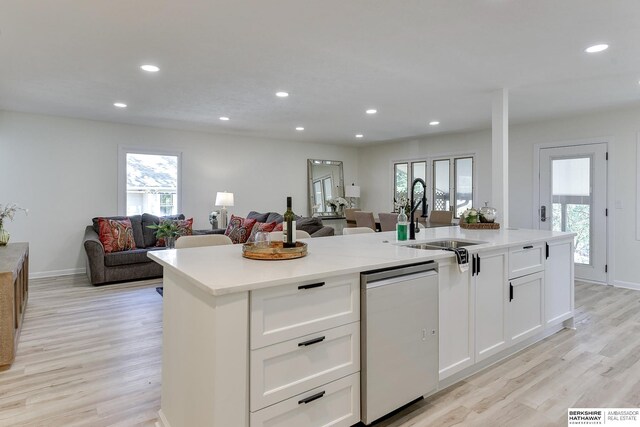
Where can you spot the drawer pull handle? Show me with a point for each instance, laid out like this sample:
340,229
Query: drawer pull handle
311,286
313,341
528,247
311,398
547,250
510,292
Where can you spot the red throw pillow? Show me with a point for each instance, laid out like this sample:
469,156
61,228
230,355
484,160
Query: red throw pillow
239,229
116,235
261,226
185,228
279,227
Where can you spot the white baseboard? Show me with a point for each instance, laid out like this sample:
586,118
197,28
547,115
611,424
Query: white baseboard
626,285
56,273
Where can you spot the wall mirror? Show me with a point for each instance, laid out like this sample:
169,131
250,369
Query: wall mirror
326,181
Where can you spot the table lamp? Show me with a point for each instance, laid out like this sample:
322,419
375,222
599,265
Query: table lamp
224,199
352,192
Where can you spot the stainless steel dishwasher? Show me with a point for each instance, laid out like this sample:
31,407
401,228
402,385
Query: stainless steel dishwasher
399,337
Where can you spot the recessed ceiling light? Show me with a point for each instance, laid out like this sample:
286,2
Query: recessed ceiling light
434,123
224,118
372,111
282,94
120,105
150,68
359,135
596,48
299,128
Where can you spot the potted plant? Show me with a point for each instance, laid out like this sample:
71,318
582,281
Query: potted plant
8,211
167,230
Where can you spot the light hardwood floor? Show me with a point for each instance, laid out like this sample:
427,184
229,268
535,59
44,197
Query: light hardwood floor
91,357
87,356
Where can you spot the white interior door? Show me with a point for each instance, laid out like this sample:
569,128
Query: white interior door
573,198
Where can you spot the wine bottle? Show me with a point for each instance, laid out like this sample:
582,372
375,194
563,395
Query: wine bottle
403,224
289,227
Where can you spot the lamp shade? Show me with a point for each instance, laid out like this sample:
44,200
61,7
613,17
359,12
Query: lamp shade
224,199
352,191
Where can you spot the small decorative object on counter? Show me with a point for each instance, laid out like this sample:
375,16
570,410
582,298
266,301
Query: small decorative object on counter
274,251
8,211
289,227
402,226
487,214
470,216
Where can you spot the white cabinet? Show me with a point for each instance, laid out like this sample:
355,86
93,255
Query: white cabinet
305,354
456,319
282,370
526,259
558,282
491,293
291,311
525,308
334,404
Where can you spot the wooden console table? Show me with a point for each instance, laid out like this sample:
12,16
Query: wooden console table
14,291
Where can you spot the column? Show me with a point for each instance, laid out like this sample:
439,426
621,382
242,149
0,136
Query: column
500,155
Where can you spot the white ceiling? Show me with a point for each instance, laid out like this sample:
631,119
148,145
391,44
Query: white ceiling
413,60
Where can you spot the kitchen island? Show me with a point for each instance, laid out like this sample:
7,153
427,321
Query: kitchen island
235,336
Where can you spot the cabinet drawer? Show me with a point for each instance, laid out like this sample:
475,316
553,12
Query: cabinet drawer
526,259
289,311
335,404
286,369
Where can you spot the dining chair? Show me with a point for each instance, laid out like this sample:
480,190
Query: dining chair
388,221
202,240
365,219
441,217
357,230
276,236
198,242
418,215
350,217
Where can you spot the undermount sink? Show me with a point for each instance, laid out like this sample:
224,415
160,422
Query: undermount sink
443,244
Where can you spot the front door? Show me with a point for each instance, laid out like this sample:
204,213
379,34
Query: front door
573,195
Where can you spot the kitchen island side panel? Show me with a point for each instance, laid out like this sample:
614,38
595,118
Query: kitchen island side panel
204,356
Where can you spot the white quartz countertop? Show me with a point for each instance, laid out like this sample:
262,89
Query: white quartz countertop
221,270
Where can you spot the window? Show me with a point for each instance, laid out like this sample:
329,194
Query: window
463,185
401,182
441,185
450,182
149,182
453,184
419,170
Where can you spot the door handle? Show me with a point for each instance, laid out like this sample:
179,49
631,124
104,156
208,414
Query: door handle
473,265
543,213
311,286
311,398
311,341
510,292
478,266
547,251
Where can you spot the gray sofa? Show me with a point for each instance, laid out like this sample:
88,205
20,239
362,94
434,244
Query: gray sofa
312,225
126,265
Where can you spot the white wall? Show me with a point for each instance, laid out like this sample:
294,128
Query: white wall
619,127
65,171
